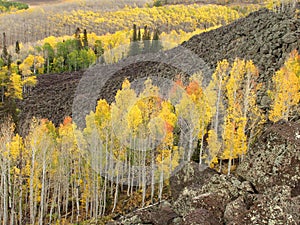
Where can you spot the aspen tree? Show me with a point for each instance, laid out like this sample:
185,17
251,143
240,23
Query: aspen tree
233,121
251,112
200,100
215,93
241,110
188,117
149,104
167,156
285,93
124,100
6,135
14,87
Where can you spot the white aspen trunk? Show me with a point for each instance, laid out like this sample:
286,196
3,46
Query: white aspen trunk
191,141
67,201
161,181
117,187
105,175
42,202
12,210
10,191
152,173
77,202
128,166
132,169
139,167
111,169
31,191
246,105
55,195
72,207
5,195
144,174
229,166
232,138
59,201
218,107
20,198
35,203
77,192
201,150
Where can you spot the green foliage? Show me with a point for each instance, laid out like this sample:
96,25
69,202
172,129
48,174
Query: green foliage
157,3
6,6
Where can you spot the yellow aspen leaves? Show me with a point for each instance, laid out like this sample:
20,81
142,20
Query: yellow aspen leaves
25,66
134,118
286,89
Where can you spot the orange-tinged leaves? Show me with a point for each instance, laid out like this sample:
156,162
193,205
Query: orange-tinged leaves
67,120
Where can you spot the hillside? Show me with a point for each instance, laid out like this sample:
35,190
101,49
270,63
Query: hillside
207,132
263,191
263,36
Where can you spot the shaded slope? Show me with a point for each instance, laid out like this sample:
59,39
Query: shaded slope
263,36
51,98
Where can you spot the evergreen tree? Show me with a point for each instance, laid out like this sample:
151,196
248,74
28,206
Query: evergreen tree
146,40
134,35
85,39
156,44
139,34
78,39
134,45
17,47
5,56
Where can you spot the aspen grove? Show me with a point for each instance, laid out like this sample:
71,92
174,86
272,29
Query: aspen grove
131,146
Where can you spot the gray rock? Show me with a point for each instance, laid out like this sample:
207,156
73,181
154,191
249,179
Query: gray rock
234,210
290,38
274,159
201,216
189,175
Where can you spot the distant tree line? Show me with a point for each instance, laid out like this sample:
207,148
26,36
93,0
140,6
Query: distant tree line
33,25
19,75
144,41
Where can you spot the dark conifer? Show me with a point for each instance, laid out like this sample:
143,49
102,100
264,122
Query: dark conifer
17,47
156,44
78,39
146,39
85,39
134,35
5,55
139,35
134,45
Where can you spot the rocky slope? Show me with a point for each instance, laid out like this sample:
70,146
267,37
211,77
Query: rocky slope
50,98
264,190
263,36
